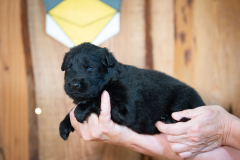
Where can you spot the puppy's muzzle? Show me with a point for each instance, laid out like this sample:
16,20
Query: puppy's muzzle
78,85
75,85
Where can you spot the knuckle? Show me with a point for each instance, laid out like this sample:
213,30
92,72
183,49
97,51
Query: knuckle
106,129
186,113
195,128
86,137
95,135
208,112
196,139
104,113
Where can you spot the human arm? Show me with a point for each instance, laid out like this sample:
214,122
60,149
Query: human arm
232,134
102,128
210,127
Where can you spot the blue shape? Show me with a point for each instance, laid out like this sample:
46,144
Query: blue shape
49,4
113,3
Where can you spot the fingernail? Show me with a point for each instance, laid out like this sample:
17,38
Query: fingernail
176,116
105,94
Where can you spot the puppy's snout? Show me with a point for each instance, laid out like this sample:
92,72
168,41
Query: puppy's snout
75,85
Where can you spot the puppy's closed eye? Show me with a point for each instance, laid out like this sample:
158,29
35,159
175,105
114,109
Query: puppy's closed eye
69,68
89,69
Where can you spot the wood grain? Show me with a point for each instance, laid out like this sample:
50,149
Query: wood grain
195,41
148,36
162,33
129,45
207,52
13,85
47,55
33,124
162,13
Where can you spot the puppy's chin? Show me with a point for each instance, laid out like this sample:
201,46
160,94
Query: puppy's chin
79,97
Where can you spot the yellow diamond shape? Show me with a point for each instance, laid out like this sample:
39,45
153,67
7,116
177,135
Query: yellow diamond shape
82,20
82,34
81,12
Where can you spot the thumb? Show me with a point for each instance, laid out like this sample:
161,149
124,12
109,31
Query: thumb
105,114
189,113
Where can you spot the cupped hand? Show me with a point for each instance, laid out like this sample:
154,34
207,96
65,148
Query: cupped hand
102,128
206,130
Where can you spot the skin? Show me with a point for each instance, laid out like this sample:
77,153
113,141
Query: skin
102,128
210,127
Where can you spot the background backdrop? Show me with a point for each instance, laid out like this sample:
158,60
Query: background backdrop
196,41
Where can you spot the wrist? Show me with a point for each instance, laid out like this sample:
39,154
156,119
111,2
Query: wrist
231,130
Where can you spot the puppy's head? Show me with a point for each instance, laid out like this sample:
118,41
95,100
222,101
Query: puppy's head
87,70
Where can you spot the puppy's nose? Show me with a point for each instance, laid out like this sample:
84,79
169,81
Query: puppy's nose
75,86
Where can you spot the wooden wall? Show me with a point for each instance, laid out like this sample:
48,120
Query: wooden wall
207,49
196,41
14,126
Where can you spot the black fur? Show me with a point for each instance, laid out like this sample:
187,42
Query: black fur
139,97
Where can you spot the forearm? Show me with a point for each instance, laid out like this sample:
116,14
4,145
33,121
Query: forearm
233,133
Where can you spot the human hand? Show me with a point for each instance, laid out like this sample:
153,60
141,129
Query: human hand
102,128
206,130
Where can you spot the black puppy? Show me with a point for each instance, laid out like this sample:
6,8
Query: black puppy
139,97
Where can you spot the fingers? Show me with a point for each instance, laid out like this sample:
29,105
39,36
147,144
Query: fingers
89,130
92,120
93,128
179,148
105,114
189,113
185,154
173,129
84,131
176,139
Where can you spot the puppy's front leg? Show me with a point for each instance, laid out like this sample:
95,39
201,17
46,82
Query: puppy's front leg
65,127
82,111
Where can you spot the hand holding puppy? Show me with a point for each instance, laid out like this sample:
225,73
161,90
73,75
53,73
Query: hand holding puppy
208,128
102,128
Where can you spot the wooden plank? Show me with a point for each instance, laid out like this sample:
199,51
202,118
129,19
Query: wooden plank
13,85
148,36
47,55
207,52
162,33
33,124
129,45
129,48
162,12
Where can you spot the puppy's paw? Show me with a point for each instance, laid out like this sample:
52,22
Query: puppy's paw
65,128
80,118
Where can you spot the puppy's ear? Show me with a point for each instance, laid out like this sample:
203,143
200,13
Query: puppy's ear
65,63
108,60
